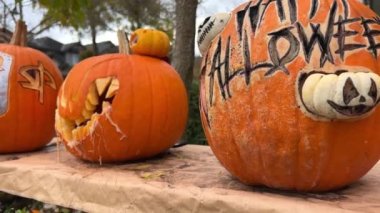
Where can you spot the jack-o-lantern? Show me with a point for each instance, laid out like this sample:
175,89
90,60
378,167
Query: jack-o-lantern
289,91
29,83
120,107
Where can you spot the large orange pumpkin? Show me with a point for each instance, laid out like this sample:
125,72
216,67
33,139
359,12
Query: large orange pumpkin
289,91
29,83
119,107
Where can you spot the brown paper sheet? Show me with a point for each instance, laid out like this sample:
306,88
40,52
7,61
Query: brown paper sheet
187,179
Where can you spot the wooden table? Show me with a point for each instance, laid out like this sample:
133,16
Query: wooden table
186,179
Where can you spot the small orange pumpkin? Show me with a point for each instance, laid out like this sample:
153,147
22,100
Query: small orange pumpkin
289,91
150,42
119,107
29,83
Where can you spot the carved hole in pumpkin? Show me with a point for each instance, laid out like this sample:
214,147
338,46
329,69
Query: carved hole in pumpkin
106,89
134,39
99,99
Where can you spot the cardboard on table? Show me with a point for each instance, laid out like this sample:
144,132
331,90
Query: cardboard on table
186,179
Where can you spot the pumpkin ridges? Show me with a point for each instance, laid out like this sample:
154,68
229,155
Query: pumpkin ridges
248,139
148,97
25,114
132,72
350,145
179,108
233,149
327,166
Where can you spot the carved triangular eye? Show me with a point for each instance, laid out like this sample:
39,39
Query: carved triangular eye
349,91
373,91
32,72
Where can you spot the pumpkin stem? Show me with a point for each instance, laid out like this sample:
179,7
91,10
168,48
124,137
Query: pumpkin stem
124,47
19,37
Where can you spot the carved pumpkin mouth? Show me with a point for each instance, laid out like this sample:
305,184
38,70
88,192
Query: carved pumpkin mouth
339,95
98,102
357,110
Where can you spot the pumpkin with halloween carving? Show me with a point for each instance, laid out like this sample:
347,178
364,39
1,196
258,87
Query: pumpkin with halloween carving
289,92
119,107
29,83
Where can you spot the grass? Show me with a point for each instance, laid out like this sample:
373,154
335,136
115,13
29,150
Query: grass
14,204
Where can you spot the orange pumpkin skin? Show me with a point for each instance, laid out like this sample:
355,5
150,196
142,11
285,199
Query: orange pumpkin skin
28,123
258,130
147,115
150,42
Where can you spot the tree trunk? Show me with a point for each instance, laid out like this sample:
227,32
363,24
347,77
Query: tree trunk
183,53
93,37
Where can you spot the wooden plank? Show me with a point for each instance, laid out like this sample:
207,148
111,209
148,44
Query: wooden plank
187,179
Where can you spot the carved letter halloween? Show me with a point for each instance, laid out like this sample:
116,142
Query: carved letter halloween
289,91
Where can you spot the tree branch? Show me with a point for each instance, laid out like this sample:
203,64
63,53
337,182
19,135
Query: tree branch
9,10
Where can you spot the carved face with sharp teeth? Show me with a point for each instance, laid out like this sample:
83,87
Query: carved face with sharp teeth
99,98
120,107
339,95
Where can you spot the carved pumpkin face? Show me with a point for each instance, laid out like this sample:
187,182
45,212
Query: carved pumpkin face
29,83
289,91
120,107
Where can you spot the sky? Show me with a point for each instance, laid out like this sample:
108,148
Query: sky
33,16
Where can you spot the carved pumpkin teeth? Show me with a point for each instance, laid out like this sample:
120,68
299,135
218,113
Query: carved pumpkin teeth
325,87
82,132
64,126
87,114
89,106
79,133
75,134
308,90
105,105
114,87
98,100
63,102
79,121
102,84
92,95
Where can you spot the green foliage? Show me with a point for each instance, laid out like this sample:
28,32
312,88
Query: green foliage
158,14
194,133
96,15
13,204
81,14
66,12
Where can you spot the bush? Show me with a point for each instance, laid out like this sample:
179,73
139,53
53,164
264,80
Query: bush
194,133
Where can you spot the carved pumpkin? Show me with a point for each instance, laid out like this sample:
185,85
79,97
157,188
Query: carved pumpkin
150,42
29,83
289,91
119,107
